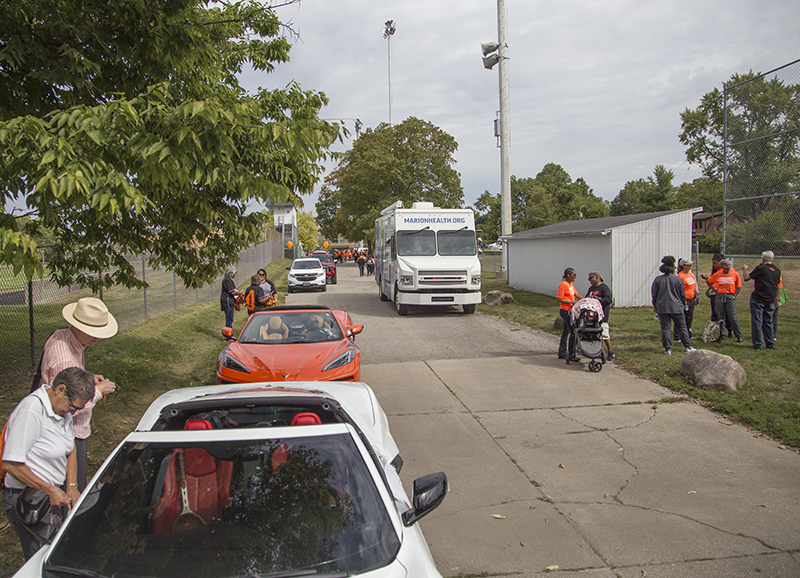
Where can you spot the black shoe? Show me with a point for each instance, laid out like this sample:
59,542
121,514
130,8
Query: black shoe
574,358
758,347
738,340
770,347
611,356
730,334
562,356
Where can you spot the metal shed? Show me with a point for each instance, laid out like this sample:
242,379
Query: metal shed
626,250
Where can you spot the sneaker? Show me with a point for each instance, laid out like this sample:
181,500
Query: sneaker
688,349
667,352
739,339
611,356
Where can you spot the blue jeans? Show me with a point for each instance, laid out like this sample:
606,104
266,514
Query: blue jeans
229,317
762,321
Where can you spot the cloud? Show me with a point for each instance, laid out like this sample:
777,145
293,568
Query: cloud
596,87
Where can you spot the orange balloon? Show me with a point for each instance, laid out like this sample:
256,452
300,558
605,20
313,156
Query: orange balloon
325,245
289,244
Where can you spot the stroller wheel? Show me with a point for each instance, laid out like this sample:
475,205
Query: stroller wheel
595,366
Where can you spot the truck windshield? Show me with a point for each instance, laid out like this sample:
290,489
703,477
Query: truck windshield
421,242
460,242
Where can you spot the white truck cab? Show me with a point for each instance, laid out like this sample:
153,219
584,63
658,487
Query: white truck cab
426,255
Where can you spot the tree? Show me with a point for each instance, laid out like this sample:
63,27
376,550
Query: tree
408,162
125,129
487,216
655,193
763,132
307,231
701,192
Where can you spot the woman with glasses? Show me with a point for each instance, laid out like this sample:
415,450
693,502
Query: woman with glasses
40,458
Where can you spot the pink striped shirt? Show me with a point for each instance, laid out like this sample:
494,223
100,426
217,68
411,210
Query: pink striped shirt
61,351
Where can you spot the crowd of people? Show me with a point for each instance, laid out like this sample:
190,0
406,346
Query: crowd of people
675,294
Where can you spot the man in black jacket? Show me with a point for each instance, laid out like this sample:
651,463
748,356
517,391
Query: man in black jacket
602,293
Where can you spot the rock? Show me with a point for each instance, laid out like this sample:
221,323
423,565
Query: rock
712,370
558,324
496,297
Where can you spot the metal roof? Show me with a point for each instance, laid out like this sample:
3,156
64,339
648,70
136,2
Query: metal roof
592,226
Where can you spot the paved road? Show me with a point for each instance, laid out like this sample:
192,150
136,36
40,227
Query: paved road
600,475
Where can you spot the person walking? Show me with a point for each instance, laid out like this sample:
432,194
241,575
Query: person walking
566,297
690,287
361,261
669,305
600,291
227,299
89,321
727,283
764,300
40,457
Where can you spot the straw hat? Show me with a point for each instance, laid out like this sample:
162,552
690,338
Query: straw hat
91,316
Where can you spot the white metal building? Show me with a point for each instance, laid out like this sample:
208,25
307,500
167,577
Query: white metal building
626,250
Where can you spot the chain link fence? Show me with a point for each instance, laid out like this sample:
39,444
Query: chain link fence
761,172
31,311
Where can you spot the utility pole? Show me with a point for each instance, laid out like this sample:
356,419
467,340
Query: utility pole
388,32
501,57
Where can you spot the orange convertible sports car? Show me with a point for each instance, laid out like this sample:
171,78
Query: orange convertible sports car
293,343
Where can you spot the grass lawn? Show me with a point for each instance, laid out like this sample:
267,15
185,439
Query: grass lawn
179,349
770,400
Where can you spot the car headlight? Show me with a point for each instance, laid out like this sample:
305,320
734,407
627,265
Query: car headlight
229,361
345,358
406,279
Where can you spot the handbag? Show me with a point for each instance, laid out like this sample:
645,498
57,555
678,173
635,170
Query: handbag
36,515
711,331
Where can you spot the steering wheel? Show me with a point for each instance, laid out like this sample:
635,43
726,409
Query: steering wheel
317,333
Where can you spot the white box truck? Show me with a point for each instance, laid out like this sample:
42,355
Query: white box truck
427,256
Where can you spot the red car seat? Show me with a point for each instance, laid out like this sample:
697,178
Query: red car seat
208,482
306,418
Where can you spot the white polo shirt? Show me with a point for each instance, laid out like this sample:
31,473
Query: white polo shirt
39,438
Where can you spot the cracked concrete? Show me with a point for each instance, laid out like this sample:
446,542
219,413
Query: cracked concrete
601,474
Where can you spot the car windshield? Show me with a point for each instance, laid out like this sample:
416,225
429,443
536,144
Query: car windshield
291,327
252,507
307,264
458,242
422,242
324,258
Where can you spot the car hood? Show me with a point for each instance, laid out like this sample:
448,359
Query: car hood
287,362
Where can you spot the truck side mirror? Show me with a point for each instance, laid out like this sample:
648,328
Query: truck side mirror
429,491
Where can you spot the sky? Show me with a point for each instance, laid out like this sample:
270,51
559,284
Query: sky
594,86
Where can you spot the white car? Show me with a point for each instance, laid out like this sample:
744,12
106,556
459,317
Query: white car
306,273
495,247
250,480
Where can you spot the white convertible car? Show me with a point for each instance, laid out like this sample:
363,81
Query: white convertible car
250,480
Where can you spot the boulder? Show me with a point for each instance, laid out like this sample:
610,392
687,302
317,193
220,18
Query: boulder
712,370
496,297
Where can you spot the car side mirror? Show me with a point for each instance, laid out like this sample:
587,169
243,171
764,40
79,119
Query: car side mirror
288,268
227,332
355,330
429,491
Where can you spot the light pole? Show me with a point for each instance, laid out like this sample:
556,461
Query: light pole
388,32
494,53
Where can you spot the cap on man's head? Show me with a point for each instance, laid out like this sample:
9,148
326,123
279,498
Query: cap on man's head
91,316
682,262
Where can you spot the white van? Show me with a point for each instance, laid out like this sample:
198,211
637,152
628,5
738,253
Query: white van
426,255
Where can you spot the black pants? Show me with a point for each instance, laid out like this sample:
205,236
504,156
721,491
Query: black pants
689,315
567,335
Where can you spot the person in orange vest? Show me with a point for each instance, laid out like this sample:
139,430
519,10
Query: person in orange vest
690,287
727,283
566,297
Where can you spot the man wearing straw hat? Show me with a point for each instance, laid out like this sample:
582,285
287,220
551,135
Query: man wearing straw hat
89,321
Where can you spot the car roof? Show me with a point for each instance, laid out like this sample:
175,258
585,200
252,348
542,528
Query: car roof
305,259
296,308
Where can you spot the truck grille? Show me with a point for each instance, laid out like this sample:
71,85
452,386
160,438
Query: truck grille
440,278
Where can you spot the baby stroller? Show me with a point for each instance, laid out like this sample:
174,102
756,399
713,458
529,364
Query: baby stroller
587,314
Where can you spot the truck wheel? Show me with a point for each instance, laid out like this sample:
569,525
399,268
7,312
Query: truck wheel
289,290
402,308
469,309
324,287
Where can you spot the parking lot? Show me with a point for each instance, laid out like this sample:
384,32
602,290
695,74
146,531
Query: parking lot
554,468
